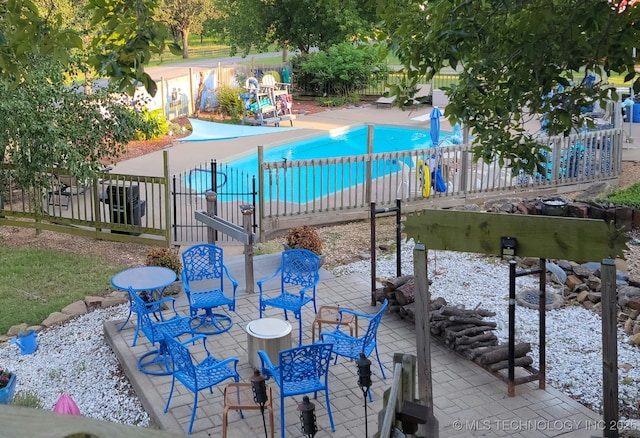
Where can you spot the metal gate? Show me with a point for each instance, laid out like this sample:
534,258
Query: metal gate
233,188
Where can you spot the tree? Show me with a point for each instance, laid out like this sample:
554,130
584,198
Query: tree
301,24
45,124
123,33
512,55
46,121
184,17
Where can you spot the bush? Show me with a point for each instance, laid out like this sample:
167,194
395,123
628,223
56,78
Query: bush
305,237
629,197
230,103
153,124
164,257
343,69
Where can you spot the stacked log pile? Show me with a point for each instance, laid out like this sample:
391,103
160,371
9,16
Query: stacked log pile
463,330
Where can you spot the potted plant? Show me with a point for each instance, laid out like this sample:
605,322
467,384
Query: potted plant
7,386
305,237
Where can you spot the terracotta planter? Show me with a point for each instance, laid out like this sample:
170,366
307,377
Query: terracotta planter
6,393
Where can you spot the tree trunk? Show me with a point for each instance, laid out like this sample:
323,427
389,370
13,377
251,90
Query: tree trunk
185,43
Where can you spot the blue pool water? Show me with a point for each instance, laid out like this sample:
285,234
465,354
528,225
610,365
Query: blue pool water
347,143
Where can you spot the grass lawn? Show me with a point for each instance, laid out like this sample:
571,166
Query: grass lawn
37,282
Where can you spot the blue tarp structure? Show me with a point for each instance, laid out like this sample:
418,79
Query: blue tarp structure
206,131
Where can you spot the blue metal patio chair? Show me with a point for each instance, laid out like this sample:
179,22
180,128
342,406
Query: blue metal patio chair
154,331
300,370
350,346
197,376
298,268
203,280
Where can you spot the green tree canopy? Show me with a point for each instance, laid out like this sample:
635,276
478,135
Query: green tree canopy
511,55
300,24
45,124
185,17
121,35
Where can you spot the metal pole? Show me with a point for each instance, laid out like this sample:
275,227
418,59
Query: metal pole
175,210
542,340
373,253
512,328
398,239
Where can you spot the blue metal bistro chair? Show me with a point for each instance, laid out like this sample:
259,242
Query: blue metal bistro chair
203,275
197,376
350,346
157,362
299,268
300,370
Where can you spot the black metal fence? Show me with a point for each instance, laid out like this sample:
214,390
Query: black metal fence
232,188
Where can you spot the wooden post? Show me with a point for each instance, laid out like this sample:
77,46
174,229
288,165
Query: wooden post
609,349
247,212
211,198
423,340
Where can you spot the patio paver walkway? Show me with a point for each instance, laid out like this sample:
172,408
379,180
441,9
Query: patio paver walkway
469,401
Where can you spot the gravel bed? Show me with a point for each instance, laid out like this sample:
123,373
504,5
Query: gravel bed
573,335
73,358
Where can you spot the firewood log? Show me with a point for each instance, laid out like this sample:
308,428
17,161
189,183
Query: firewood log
470,340
519,362
502,353
406,293
395,283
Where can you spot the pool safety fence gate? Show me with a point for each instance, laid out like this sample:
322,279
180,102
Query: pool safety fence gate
339,189
232,189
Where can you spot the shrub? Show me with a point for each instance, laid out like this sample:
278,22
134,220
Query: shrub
165,257
153,124
629,197
230,103
305,237
342,70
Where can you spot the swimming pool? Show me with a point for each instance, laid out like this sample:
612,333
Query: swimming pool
336,144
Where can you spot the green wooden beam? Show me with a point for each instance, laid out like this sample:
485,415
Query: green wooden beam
548,237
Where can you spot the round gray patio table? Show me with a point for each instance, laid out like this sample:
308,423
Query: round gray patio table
147,281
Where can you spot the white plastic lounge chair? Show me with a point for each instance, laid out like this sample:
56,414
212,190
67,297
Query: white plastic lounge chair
385,101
